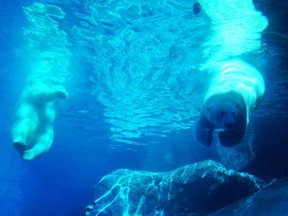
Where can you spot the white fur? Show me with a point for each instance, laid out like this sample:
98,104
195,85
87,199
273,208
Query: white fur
236,75
33,127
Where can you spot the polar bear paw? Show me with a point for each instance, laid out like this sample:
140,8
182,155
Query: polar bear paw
203,132
61,94
20,146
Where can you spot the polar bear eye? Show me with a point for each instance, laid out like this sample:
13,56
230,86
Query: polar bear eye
238,105
222,113
233,114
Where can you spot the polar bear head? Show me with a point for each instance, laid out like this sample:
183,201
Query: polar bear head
225,111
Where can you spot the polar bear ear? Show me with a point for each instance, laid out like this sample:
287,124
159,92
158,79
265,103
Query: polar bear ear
229,138
207,109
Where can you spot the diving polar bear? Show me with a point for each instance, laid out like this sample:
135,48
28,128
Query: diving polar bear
234,91
32,132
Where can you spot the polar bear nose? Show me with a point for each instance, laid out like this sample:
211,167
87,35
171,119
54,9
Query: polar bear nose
230,125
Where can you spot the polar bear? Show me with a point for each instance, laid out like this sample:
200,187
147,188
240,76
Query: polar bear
235,90
32,132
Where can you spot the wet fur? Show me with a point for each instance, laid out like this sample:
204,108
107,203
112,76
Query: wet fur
216,115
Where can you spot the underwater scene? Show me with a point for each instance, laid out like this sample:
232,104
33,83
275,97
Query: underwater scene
143,107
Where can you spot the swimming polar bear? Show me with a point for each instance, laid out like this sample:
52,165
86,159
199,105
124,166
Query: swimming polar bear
235,90
32,132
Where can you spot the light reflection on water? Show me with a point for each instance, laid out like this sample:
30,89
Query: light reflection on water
141,61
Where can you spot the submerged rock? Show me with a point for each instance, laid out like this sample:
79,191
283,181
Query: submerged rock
270,200
199,188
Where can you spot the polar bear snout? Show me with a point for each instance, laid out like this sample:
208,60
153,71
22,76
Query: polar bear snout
229,121
229,125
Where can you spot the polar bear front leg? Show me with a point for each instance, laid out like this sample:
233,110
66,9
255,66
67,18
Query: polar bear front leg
42,145
24,127
44,94
203,130
43,138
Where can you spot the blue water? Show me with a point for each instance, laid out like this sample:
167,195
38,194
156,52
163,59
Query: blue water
133,69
